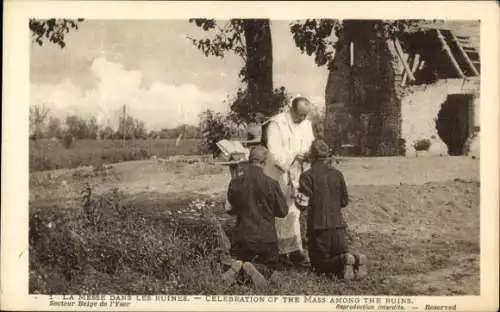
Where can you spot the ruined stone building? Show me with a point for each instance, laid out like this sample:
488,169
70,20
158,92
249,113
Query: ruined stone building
383,95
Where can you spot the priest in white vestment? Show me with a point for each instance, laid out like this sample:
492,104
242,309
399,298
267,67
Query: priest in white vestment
289,136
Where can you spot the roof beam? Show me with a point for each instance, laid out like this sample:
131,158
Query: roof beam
400,52
414,67
447,49
464,54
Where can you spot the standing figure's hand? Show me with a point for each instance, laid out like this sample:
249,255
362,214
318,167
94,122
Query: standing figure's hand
301,157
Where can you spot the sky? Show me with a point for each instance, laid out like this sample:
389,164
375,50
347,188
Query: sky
151,67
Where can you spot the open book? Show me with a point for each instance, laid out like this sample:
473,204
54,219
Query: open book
230,148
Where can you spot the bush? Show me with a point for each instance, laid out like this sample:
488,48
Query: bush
401,147
110,242
214,127
422,145
41,162
68,140
244,111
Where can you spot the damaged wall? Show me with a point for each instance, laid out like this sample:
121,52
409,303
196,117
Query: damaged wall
420,107
366,106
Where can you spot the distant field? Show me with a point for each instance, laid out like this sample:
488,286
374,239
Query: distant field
50,155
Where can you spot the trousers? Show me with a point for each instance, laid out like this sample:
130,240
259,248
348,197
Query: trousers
326,247
265,257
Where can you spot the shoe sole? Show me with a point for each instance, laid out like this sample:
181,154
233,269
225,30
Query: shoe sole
349,267
230,276
361,270
257,278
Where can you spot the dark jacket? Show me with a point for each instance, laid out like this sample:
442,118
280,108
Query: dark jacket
256,200
327,191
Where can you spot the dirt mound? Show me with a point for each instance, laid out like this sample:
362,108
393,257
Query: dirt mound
419,210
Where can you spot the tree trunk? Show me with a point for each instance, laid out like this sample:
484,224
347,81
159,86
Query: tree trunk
362,89
259,66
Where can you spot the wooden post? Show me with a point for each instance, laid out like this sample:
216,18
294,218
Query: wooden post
467,59
405,76
416,61
447,49
414,67
351,47
400,52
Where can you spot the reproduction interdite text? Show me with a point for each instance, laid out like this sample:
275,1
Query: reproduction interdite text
341,303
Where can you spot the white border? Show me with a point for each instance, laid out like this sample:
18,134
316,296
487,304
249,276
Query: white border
14,256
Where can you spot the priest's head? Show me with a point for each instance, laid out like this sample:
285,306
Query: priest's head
300,109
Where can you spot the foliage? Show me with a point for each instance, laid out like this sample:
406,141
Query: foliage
186,131
214,127
81,128
243,112
68,140
54,128
78,127
227,38
251,40
37,116
321,36
92,128
52,29
83,249
315,37
422,145
131,128
401,147
106,133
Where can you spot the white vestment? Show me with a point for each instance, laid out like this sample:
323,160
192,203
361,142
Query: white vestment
286,140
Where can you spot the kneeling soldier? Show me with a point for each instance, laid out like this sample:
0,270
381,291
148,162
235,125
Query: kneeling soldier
322,189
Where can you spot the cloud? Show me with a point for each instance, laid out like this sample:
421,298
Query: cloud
158,105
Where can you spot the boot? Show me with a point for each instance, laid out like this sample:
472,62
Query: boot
284,260
360,270
348,266
257,278
299,258
229,277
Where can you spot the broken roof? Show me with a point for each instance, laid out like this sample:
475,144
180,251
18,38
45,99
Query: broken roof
450,49
462,28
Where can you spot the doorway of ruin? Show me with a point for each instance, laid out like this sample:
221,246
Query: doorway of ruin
454,122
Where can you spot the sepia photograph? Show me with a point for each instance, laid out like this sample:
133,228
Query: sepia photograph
294,159
254,156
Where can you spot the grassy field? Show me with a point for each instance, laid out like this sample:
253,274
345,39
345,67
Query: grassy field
49,155
421,234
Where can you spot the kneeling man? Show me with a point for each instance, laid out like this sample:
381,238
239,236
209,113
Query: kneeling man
256,200
323,191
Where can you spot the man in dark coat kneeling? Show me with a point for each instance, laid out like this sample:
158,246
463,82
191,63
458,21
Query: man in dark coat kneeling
323,191
256,200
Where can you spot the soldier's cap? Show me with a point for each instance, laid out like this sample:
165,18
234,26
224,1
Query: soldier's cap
258,154
319,149
254,133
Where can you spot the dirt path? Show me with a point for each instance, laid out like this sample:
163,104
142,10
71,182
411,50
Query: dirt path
144,176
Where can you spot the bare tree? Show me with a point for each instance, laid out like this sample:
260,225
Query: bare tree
38,115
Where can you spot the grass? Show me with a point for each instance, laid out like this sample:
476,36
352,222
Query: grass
49,155
114,243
